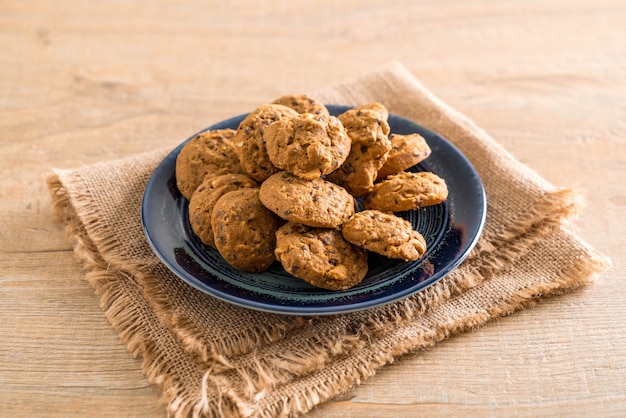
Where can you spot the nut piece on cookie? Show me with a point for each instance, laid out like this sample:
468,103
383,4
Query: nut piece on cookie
317,202
209,152
320,256
368,130
407,191
244,230
307,145
249,141
406,151
385,234
206,196
302,103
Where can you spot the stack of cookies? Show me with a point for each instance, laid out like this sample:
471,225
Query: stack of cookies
282,186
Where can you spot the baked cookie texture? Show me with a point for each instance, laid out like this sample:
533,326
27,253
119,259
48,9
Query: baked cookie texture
406,151
244,230
376,107
384,233
368,131
206,196
407,191
302,103
316,203
307,145
249,141
209,152
320,256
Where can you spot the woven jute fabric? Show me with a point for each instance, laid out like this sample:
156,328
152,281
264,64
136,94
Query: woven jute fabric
211,358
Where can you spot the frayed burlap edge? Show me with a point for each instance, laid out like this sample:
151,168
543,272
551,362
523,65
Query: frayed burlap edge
105,278
351,331
196,395
398,341
188,398
191,336
182,395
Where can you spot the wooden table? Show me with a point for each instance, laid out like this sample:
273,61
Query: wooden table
82,82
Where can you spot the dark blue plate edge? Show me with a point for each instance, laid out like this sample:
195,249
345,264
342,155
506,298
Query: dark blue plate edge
317,310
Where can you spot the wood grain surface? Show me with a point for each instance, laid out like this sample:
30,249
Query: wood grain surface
82,82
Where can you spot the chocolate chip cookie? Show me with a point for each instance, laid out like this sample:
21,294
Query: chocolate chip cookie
317,202
307,145
302,103
377,107
407,191
368,132
320,256
249,141
210,152
244,230
406,151
206,196
385,234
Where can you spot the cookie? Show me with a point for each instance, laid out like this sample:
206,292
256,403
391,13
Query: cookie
407,191
385,234
244,230
406,151
368,132
307,145
377,107
320,256
317,202
206,196
302,103
250,144
210,152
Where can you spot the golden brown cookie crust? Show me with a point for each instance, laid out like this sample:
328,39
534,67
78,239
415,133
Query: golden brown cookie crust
249,141
206,196
376,107
244,230
302,103
320,256
370,145
307,145
316,203
406,151
385,234
210,152
407,191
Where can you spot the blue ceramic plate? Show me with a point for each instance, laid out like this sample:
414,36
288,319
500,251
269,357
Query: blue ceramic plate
451,230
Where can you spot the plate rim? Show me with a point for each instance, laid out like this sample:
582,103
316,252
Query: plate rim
311,310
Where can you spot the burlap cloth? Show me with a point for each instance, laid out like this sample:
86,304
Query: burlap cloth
210,358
